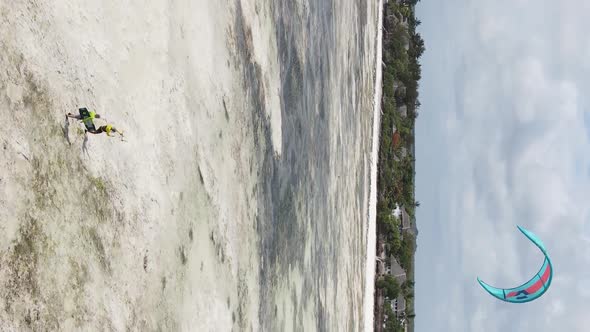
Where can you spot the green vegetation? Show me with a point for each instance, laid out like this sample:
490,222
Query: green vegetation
406,253
392,325
390,286
402,48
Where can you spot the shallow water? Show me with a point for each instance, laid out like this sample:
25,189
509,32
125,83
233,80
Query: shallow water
313,233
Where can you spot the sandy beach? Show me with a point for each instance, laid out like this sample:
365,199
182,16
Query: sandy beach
237,201
369,301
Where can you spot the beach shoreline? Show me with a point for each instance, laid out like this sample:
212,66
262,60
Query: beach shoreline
369,299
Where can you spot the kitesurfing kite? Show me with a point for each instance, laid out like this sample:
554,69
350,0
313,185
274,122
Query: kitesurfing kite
530,290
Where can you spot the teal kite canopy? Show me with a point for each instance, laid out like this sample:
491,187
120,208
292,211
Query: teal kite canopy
533,288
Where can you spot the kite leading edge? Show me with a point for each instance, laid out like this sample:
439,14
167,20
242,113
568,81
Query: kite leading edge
533,288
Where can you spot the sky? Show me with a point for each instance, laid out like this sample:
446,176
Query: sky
503,140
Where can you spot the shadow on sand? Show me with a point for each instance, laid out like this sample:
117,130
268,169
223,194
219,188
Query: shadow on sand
66,130
85,144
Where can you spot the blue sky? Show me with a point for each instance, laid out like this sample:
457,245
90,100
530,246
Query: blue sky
503,139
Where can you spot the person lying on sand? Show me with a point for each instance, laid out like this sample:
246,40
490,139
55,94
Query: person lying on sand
86,117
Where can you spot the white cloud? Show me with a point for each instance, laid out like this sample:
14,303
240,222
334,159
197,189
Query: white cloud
583,287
